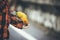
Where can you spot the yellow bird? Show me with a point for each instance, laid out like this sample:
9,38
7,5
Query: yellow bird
23,17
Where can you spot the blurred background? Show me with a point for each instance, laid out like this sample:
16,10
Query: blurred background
44,19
